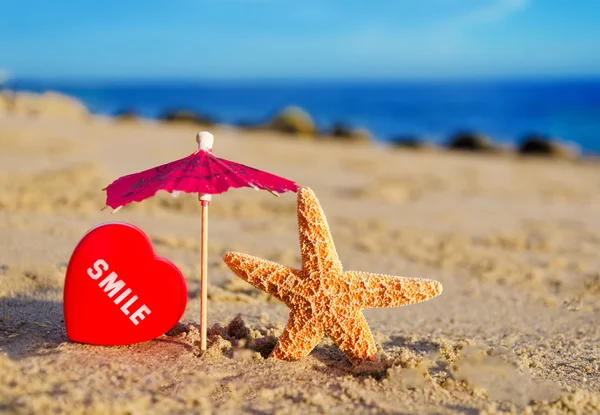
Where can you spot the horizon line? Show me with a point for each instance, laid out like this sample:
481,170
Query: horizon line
294,79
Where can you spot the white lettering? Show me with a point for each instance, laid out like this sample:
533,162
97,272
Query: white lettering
122,296
125,308
139,314
111,284
97,265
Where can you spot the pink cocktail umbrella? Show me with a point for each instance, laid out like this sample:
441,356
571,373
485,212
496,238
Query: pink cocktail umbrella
202,173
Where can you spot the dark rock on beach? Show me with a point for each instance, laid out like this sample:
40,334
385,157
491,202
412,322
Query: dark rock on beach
345,132
187,117
542,145
470,141
126,115
294,120
248,124
411,142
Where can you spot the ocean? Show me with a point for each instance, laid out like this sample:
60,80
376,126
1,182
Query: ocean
505,110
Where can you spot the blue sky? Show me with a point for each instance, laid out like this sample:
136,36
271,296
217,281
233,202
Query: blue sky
299,38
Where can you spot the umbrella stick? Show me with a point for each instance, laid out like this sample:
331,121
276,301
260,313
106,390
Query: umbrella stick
204,277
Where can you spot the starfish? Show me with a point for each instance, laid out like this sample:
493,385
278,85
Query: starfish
323,299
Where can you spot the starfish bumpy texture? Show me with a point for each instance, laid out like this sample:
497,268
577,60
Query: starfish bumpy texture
323,299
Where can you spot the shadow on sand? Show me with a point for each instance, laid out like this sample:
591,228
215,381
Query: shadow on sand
28,325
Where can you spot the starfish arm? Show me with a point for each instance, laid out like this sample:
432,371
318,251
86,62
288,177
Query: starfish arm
354,338
316,243
300,336
275,279
390,291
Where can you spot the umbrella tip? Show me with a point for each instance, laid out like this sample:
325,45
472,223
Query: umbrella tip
205,140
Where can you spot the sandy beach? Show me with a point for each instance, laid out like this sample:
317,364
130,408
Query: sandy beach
513,240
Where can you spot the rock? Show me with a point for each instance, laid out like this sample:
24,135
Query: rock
186,117
411,142
248,125
541,145
178,329
48,104
126,116
253,125
265,345
345,132
294,120
468,141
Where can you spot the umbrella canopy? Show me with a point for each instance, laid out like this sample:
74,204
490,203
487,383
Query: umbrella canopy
201,172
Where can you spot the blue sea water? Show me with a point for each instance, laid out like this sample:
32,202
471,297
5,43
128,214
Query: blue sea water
503,109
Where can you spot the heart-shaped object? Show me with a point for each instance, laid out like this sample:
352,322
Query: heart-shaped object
117,291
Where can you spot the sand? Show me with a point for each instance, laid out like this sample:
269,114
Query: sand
515,243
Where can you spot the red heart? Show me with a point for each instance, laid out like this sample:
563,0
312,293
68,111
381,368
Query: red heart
117,291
